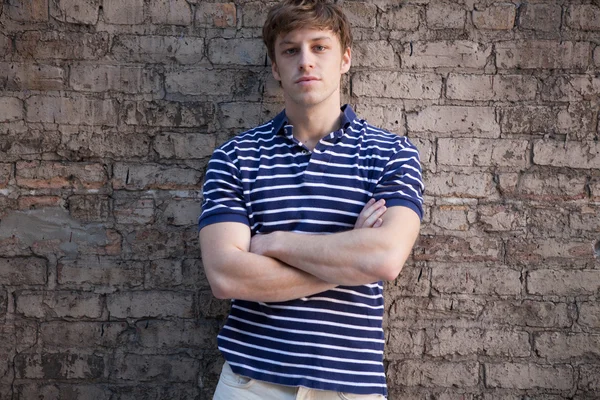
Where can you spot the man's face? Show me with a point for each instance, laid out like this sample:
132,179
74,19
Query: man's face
309,64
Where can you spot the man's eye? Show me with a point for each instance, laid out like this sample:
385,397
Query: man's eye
319,48
290,51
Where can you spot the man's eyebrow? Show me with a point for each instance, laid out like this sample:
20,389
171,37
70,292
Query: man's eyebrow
310,40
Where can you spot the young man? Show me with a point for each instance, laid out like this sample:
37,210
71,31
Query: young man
303,218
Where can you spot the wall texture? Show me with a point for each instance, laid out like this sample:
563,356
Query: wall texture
110,109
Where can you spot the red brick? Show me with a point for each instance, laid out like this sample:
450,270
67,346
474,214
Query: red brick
453,248
53,175
218,15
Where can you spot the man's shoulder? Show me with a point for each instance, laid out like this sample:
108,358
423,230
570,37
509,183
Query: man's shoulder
249,138
372,132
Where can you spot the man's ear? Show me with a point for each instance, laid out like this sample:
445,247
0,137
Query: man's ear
275,71
346,60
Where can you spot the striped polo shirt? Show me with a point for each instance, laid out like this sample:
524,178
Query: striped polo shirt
268,180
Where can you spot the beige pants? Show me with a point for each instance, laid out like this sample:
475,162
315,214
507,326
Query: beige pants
232,386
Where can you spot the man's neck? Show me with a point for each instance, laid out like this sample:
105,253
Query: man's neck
312,124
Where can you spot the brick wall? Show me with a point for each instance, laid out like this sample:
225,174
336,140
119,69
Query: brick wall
110,109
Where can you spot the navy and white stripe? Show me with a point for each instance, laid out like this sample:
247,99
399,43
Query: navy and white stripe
266,179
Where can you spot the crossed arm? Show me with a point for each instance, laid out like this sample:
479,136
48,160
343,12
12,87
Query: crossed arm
283,266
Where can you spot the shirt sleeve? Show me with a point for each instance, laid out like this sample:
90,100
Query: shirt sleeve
223,194
401,183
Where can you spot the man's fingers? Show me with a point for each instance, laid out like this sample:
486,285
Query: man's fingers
370,213
374,217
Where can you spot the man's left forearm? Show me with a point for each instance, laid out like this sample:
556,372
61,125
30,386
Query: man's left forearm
353,257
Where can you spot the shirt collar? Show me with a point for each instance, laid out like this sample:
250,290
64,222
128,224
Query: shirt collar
348,116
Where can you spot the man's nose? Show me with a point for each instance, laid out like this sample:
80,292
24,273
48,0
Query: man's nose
307,60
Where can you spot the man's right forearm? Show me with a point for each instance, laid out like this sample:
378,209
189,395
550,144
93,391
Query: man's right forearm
246,276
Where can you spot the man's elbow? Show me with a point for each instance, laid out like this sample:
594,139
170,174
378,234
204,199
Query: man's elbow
390,266
220,286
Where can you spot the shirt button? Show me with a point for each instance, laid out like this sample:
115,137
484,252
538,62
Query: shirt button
304,152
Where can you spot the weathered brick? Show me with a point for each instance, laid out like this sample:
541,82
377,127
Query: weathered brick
155,244
482,152
540,17
27,11
59,366
563,282
184,145
548,249
397,85
589,314
567,154
542,54
111,272
499,16
76,110
212,82
89,208
361,14
597,56
5,174
453,248
451,341
445,15
491,87
211,307
545,186
99,142
589,378
565,346
435,374
75,11
62,45
53,175
143,304
25,76
218,15
23,271
529,376
373,54
236,51
157,368
177,334
577,118
169,114
253,13
445,54
123,12
59,304
164,274
158,49
570,88
36,202
452,184
104,78
62,391
170,12
389,117
11,109
133,210
403,17
452,217
148,176
455,119
527,313
182,212
5,46
585,17
475,279
402,343
81,335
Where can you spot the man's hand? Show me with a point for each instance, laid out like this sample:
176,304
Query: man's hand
370,216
